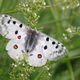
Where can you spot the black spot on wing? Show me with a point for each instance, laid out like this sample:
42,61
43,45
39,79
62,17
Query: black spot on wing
8,16
58,42
57,46
27,50
53,42
20,25
31,54
8,21
47,39
14,22
22,51
45,47
62,45
5,16
16,32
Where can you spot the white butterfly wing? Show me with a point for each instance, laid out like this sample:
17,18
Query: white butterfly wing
2,28
10,27
51,48
15,49
36,58
21,34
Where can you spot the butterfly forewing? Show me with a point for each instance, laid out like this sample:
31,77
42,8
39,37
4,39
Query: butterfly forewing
10,26
50,47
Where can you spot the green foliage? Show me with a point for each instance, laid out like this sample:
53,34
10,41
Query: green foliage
57,18
31,9
20,71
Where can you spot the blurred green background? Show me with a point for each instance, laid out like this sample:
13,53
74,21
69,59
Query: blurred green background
58,18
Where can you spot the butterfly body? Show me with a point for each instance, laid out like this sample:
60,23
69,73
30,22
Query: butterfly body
38,46
31,40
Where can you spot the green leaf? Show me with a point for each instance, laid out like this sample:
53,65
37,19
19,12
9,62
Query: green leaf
7,6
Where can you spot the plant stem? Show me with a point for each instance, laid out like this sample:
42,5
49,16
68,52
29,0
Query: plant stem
7,12
70,71
38,76
56,16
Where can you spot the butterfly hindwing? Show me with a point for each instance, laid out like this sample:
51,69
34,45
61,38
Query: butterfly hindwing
36,58
15,49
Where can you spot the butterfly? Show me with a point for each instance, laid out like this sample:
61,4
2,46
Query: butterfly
38,46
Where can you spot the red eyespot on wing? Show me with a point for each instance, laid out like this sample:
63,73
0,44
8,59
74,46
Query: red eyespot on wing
39,56
15,46
19,37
